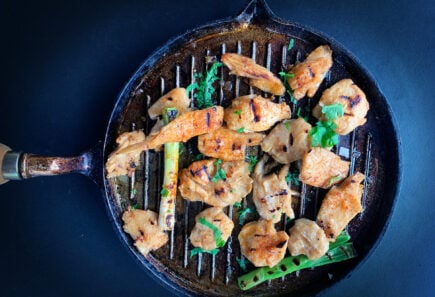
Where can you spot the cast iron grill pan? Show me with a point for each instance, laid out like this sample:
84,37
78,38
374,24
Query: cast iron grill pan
256,33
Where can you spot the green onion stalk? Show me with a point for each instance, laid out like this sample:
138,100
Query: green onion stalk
340,250
170,178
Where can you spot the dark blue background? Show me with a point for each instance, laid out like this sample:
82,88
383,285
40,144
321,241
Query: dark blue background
62,64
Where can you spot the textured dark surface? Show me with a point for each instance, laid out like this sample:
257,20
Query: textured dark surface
62,67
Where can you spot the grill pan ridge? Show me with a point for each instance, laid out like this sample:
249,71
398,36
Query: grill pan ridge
256,32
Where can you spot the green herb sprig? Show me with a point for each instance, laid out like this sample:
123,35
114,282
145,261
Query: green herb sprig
284,76
323,134
204,86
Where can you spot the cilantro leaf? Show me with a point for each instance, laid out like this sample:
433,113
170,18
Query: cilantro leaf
287,125
323,134
238,112
204,87
252,162
291,44
220,173
237,204
242,214
199,250
199,157
293,177
216,232
242,263
333,111
284,76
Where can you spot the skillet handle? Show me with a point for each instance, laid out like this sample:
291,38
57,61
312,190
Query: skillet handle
17,165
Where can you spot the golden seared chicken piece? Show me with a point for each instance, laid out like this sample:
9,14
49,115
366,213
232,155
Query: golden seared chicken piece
354,101
258,76
175,98
215,182
288,141
203,236
322,168
271,194
340,205
143,228
253,113
124,163
309,74
226,144
182,128
261,244
307,238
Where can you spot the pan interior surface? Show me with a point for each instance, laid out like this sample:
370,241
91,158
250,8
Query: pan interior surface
372,149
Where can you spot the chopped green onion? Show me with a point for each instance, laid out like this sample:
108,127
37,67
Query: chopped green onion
242,263
293,177
241,130
340,250
332,180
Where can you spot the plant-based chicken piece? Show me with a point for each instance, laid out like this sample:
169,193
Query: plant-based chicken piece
253,113
181,129
307,238
124,163
340,205
261,244
271,193
226,144
258,76
308,75
143,228
174,98
215,182
353,100
288,141
322,168
212,229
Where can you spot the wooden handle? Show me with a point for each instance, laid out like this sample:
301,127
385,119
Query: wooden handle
17,166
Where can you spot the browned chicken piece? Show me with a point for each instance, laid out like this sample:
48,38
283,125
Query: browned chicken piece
124,163
307,238
203,236
226,144
200,182
143,228
322,168
258,76
340,205
309,74
182,128
288,141
175,98
354,102
253,113
261,244
271,194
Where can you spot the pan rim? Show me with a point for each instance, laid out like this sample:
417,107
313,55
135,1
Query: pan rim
123,99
